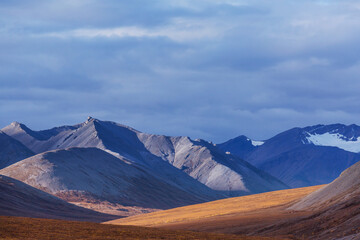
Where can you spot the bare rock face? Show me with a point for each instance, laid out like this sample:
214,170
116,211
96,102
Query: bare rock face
165,157
210,166
19,199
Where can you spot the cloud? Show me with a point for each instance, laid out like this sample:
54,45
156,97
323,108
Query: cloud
207,69
180,30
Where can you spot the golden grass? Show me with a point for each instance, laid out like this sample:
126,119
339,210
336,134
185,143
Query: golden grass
32,228
237,205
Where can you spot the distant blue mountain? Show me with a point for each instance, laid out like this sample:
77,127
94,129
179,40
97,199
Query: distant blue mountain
303,156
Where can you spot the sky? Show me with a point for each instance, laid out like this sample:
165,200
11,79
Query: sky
211,69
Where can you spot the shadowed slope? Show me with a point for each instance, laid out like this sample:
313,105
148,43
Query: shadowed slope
19,199
38,141
12,151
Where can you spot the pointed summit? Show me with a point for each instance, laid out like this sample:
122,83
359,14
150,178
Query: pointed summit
15,124
16,128
91,119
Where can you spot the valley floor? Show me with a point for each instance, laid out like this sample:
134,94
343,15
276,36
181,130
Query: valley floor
34,228
225,208
265,214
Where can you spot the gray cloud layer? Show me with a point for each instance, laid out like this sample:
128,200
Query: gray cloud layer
207,69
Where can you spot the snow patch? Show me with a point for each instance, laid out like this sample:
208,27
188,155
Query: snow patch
335,140
257,143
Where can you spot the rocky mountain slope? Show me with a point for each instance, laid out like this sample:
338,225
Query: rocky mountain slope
80,175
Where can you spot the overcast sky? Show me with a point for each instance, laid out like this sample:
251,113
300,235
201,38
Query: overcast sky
211,69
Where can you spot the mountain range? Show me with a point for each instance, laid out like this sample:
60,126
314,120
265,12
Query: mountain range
101,170
106,162
102,163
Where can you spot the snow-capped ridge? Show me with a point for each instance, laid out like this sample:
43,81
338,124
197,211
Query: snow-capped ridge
347,130
335,140
346,137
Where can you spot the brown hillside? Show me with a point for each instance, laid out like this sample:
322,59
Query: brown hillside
221,209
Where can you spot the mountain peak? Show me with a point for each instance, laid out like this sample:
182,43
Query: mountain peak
240,146
15,124
18,125
89,119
